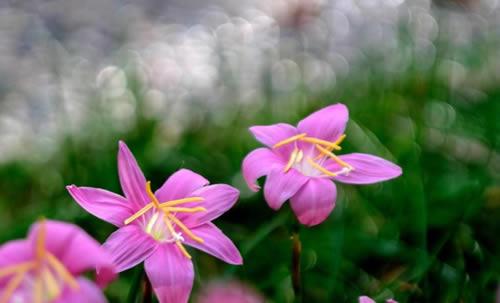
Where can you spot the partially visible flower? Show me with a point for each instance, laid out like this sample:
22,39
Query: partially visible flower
48,266
301,161
153,227
229,292
365,299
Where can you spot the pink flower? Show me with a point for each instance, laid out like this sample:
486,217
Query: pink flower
47,266
300,163
365,299
229,292
153,227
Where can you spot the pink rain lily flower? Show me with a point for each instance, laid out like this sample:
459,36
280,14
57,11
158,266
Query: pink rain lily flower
48,266
365,299
154,227
301,161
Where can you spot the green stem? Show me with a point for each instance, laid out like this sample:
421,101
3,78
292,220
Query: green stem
296,277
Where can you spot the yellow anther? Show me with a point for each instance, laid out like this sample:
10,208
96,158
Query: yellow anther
340,139
321,142
333,156
141,212
181,201
151,195
320,168
9,290
289,140
186,209
291,161
185,229
62,271
14,269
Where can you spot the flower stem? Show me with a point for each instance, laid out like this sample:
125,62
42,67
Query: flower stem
296,253
147,291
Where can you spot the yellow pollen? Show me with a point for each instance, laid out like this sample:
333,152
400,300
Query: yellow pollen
181,201
291,161
320,168
185,229
289,140
61,270
141,212
321,142
333,156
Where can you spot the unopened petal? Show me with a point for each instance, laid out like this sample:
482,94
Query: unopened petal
281,186
314,202
215,243
180,185
103,204
368,169
259,163
171,274
328,123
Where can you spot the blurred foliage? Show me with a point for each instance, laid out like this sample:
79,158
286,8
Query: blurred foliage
428,236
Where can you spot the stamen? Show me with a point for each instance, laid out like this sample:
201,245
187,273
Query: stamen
289,140
300,155
186,209
12,286
141,212
177,242
320,168
291,161
40,240
154,200
50,283
181,201
183,249
340,139
61,270
13,269
321,142
333,156
185,229
37,291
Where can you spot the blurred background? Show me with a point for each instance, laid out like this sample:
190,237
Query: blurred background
180,81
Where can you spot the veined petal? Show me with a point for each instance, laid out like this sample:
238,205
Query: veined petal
215,243
217,199
87,292
328,123
314,202
103,204
171,274
129,246
365,299
132,179
259,163
71,245
180,185
368,169
281,186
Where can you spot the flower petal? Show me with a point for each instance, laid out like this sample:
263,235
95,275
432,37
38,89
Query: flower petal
368,169
171,274
129,246
217,199
281,186
215,243
78,251
180,185
314,202
103,204
87,292
131,177
271,134
259,163
328,123
365,299
14,252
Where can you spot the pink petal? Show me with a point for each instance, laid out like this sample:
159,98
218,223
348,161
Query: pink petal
103,204
171,274
78,251
281,186
218,199
14,252
271,134
314,202
327,123
215,243
180,185
87,292
367,169
391,301
259,163
129,246
365,299
131,178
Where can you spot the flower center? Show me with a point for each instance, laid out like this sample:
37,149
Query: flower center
46,273
311,163
161,225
